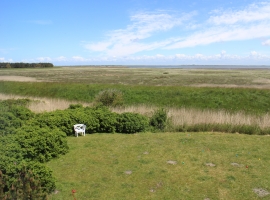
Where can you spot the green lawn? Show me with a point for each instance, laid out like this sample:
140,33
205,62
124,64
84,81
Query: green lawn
97,166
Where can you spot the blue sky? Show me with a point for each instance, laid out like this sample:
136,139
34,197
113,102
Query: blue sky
69,32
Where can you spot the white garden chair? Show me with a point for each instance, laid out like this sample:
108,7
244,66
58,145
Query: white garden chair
79,128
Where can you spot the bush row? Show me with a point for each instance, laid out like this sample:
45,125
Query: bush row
97,120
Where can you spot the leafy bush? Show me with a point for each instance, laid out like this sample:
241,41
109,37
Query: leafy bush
11,154
159,119
65,119
41,144
13,115
110,97
131,123
13,166
75,106
106,119
30,181
26,186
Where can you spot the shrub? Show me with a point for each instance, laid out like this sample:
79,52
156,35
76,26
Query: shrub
26,186
65,119
13,115
159,119
75,106
131,123
29,181
13,166
110,97
41,144
106,119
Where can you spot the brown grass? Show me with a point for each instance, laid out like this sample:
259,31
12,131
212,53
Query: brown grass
178,116
18,79
189,116
39,105
244,78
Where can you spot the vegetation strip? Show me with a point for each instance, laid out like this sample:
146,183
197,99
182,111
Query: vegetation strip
231,99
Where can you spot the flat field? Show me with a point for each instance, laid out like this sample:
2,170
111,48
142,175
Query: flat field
233,90
252,78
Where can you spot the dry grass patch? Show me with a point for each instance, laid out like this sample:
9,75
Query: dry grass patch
190,116
39,105
19,79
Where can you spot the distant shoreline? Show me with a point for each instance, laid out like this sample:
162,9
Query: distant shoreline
251,67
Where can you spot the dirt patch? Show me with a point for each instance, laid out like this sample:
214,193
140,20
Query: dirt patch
261,192
210,164
172,162
19,79
128,172
237,165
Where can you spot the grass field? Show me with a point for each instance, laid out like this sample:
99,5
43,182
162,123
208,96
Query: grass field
232,90
115,166
158,165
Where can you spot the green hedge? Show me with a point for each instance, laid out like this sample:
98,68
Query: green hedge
131,123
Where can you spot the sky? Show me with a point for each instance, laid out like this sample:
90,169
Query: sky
136,32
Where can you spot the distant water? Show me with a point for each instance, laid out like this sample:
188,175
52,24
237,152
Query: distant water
201,66
181,66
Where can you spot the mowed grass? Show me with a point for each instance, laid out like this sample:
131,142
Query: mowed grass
98,166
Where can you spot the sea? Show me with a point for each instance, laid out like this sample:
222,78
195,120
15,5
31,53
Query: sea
201,66
180,66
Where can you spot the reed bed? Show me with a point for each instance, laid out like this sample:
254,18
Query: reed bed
191,116
177,116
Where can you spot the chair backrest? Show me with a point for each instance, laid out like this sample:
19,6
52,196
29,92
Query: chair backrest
79,127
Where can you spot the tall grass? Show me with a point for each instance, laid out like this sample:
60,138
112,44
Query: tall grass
178,117
190,116
253,101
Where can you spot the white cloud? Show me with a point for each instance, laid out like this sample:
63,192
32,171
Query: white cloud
252,22
254,12
266,43
78,58
258,56
129,41
99,46
223,57
223,34
222,26
61,58
2,59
